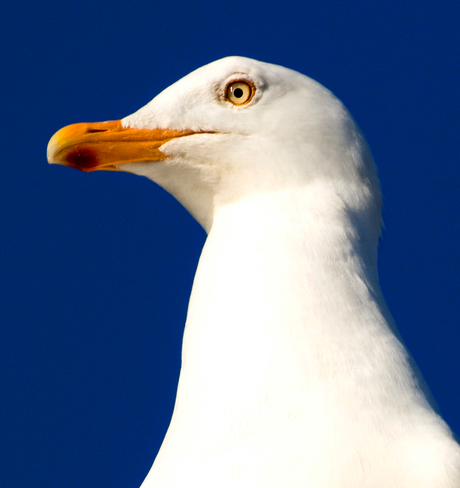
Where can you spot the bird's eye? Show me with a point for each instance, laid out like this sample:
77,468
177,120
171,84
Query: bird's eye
239,92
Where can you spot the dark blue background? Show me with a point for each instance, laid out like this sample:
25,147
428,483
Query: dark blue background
96,269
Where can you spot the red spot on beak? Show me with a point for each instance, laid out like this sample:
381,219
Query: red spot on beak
83,159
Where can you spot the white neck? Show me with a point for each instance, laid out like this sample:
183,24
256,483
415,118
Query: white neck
286,321
278,287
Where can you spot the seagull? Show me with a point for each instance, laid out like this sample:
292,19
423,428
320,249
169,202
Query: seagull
293,372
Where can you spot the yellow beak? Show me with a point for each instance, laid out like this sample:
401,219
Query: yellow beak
104,145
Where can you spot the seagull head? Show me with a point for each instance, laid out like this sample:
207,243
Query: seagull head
233,129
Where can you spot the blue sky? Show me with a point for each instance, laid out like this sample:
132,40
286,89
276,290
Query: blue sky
96,269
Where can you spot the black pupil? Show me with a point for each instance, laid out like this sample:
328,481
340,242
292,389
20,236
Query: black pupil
238,92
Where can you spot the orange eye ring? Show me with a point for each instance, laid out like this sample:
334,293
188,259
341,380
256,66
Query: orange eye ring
239,92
